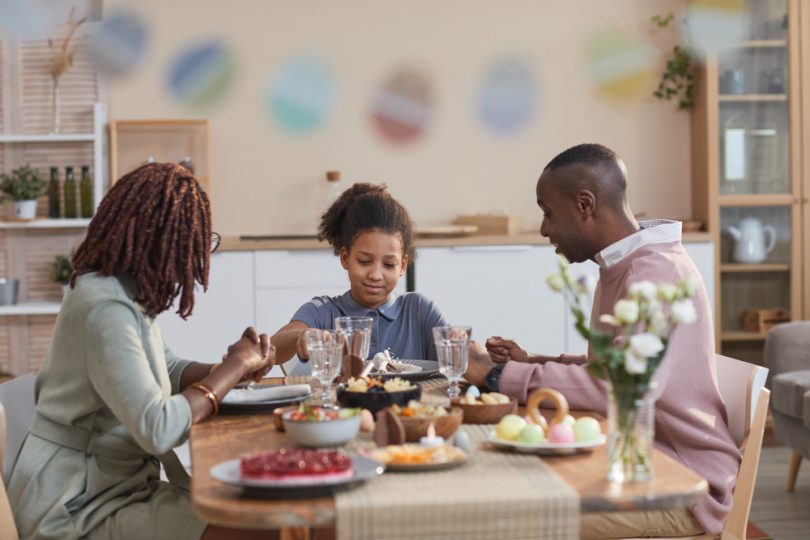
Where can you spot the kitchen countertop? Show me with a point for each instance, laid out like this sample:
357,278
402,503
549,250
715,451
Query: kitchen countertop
293,242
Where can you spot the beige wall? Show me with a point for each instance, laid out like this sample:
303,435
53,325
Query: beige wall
264,181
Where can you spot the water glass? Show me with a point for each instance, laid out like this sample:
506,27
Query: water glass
357,332
452,348
326,358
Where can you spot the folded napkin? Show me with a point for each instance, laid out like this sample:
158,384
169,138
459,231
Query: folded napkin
260,393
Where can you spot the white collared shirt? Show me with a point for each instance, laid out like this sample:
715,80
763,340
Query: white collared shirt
653,231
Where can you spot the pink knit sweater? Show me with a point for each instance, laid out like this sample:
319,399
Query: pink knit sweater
690,417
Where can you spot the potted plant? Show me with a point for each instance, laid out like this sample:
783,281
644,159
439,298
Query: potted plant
61,270
23,185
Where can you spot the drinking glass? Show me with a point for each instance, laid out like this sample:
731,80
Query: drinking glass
452,348
357,332
326,358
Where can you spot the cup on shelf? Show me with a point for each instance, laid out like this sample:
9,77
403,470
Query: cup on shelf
8,291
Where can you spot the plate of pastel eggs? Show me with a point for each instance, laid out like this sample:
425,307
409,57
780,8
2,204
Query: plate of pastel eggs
534,434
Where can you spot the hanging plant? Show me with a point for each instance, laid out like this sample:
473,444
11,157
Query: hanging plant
679,75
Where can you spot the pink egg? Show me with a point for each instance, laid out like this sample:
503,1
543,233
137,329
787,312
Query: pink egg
543,423
561,433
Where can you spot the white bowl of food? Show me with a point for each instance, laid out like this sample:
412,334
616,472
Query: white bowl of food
315,426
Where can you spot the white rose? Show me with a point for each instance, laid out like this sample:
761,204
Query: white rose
683,312
646,345
643,289
667,292
607,318
556,282
585,285
689,285
634,365
626,311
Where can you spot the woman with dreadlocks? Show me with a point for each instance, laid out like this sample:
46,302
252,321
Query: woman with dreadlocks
112,400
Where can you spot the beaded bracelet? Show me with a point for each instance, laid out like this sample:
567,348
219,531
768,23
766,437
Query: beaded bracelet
209,394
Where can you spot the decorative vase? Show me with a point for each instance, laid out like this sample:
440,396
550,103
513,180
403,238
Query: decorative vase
25,209
631,432
56,116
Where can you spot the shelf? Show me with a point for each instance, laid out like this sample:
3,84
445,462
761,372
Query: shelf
46,224
751,98
757,199
72,137
763,44
772,267
743,336
31,308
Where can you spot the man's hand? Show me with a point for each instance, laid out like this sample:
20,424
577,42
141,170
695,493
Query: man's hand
479,365
502,350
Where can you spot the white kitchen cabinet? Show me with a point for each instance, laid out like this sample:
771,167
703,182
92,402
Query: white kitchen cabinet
702,254
497,290
220,315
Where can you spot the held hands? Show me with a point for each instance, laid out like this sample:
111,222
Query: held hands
301,347
254,352
501,350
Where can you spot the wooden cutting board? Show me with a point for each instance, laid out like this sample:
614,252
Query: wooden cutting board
445,231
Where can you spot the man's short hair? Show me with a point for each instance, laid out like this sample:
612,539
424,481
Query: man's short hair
591,154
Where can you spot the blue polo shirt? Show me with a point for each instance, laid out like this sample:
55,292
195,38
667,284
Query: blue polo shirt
403,325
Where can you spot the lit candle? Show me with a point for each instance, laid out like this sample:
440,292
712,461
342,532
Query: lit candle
431,440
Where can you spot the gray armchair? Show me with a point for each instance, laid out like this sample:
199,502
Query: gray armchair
787,355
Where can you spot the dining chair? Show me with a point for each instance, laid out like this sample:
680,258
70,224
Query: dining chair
17,395
8,530
742,387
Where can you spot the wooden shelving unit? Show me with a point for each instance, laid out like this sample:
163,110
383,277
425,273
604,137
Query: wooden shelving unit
747,155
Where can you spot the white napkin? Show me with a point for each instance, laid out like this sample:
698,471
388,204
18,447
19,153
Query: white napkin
266,393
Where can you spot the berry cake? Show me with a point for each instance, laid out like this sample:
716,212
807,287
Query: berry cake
297,466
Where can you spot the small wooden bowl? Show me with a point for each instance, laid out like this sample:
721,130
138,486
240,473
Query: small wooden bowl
445,425
278,422
486,414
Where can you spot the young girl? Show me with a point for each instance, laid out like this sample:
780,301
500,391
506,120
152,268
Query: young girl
372,234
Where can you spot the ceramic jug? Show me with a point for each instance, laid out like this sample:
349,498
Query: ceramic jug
750,245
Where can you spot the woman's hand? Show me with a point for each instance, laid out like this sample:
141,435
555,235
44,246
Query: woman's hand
502,350
254,352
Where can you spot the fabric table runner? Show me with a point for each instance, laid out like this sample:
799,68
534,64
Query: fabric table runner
494,495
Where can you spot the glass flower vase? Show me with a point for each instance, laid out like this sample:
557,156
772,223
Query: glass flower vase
631,432
56,106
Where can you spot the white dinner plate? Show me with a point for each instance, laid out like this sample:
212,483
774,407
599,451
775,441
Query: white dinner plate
228,473
547,448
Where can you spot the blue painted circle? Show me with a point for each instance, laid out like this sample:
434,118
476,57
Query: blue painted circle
301,95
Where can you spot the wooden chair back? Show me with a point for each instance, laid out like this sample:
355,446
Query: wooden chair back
8,530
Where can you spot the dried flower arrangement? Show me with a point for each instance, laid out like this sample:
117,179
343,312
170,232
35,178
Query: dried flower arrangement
62,61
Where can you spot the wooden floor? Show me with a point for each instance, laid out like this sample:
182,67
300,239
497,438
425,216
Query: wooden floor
785,516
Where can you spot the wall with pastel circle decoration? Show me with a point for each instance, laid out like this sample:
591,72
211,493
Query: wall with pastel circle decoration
507,97
713,25
301,95
403,107
118,43
201,74
620,66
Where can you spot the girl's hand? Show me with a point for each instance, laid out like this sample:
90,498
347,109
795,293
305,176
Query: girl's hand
502,350
301,347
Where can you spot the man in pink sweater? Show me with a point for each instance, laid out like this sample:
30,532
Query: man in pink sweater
582,193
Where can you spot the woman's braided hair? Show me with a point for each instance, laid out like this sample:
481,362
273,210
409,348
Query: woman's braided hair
155,225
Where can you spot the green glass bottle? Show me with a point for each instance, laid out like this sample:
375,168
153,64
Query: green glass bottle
70,193
86,190
53,194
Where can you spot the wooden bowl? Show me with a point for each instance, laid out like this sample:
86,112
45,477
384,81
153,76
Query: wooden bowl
445,425
486,414
278,422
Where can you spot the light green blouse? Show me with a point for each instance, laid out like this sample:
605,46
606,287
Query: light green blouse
107,376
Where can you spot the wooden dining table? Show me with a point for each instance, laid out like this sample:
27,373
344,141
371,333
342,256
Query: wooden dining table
227,437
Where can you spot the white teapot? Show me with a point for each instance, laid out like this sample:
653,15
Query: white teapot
749,235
